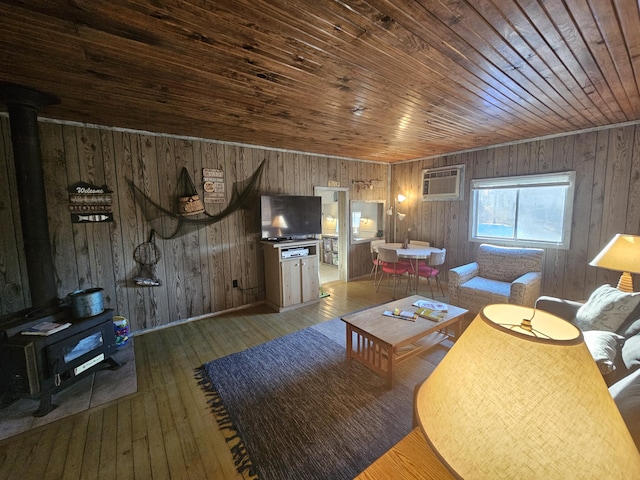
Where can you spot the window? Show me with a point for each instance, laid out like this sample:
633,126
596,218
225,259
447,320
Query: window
532,210
367,220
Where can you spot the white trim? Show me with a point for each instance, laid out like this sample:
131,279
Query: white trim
567,179
524,140
197,139
284,150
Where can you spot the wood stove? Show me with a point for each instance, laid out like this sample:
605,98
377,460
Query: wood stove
31,366
39,366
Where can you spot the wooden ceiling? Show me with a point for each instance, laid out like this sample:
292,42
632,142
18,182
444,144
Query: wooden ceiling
383,80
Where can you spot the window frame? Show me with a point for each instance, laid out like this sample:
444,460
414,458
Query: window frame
567,178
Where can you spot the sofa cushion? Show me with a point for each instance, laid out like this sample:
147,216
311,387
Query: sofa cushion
604,348
631,352
607,309
626,394
632,329
505,264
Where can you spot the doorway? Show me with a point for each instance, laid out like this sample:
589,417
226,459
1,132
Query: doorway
334,246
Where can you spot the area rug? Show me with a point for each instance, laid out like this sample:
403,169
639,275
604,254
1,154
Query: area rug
294,408
95,389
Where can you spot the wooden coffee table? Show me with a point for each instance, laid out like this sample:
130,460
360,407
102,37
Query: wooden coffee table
380,342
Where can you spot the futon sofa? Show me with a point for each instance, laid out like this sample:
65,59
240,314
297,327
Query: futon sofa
610,322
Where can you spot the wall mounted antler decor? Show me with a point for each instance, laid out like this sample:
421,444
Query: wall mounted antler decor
366,184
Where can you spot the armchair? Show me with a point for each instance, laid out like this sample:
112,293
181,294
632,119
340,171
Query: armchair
499,275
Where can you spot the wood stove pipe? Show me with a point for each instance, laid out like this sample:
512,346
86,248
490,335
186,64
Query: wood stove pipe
22,104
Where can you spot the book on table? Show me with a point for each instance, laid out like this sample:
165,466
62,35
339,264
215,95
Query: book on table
431,305
402,314
435,315
45,328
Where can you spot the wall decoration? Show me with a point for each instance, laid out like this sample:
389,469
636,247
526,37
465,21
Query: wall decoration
366,184
147,255
89,203
189,203
167,224
213,179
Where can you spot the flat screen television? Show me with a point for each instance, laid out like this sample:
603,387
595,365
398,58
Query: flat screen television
290,217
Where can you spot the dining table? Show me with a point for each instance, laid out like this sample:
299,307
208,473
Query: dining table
413,253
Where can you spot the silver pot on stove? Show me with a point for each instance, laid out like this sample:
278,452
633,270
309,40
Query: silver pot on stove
86,303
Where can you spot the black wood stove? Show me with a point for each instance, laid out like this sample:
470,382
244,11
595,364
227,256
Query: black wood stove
38,366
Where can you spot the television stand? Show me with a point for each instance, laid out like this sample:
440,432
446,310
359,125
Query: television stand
291,272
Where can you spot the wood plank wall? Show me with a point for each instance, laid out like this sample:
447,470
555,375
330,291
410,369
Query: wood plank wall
196,269
607,201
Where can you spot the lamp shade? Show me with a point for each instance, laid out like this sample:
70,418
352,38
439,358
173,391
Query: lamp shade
518,399
621,254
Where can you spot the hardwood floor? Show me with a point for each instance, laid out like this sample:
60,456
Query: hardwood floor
166,430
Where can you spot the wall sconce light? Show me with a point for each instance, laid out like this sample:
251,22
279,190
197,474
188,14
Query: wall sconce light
330,218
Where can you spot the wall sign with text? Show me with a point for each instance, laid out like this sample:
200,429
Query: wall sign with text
213,179
90,203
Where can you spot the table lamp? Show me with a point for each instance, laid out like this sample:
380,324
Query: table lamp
621,254
520,396
279,222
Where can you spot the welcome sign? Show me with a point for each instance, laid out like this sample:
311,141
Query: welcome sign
89,203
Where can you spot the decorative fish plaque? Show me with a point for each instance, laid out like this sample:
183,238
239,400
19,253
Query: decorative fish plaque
90,203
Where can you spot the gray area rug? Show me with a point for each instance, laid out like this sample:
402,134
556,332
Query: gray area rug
294,408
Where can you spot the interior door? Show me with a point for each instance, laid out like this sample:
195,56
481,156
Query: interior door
340,197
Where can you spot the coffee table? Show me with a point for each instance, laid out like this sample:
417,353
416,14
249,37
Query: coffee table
380,342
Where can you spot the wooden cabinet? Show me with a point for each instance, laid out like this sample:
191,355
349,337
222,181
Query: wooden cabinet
291,273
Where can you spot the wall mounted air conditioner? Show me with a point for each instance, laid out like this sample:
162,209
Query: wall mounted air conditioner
443,183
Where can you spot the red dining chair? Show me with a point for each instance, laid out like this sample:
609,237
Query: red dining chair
430,271
388,263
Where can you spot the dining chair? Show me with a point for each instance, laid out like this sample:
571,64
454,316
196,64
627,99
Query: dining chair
430,270
419,242
374,258
388,262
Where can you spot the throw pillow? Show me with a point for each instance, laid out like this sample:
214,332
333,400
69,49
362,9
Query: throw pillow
606,309
604,348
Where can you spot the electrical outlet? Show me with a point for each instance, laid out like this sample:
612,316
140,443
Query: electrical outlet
235,284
